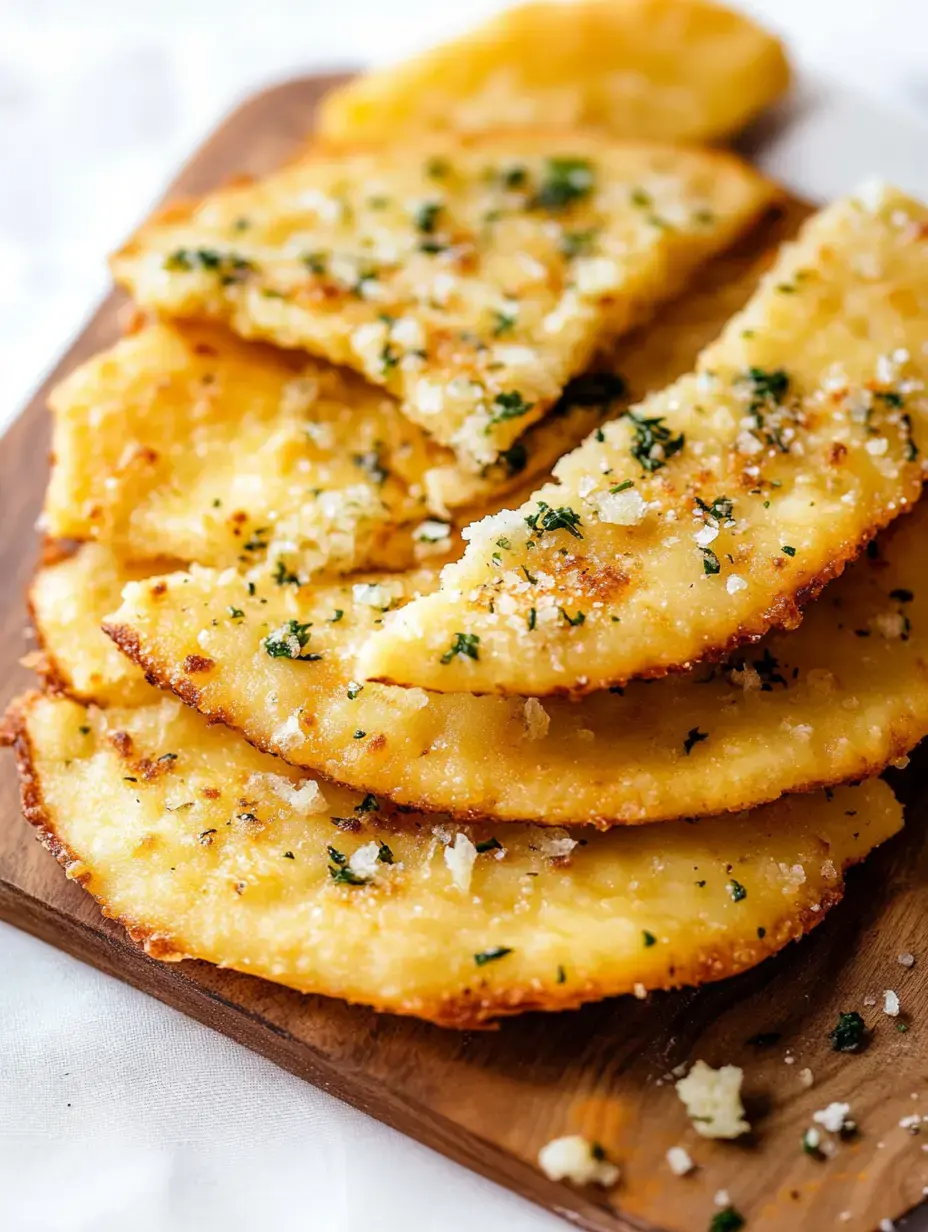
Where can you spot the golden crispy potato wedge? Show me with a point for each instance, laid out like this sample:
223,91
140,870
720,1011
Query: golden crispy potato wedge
204,847
472,278
716,509
663,70
68,600
837,699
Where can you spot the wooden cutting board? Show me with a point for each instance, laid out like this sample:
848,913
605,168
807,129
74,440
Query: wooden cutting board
490,1099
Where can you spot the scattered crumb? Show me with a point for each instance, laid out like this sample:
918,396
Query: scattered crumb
713,1100
722,1198
834,1118
806,1078
891,1003
679,1160
906,960
576,1159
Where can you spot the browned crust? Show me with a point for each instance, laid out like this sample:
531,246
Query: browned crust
783,613
902,740
471,1008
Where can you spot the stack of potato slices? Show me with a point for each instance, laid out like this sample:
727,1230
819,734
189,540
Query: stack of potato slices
343,687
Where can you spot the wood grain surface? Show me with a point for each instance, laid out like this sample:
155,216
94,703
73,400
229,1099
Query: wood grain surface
490,1099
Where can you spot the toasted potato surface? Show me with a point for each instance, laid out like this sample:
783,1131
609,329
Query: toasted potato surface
837,699
472,278
713,510
668,70
204,847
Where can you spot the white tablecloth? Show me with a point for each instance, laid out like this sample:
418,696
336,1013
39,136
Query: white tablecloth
115,1112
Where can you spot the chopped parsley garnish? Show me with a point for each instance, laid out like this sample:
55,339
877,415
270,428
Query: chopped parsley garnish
463,644
437,168
901,595
235,613
316,262
354,688
736,890
561,975
573,621
850,1035
514,458
654,443
529,577
513,177
622,487
283,576
726,1220
547,518
812,1144
576,243
503,323
336,616
693,737
228,264
720,510
489,844
787,550
368,804
426,216
288,855
532,618
340,871
358,734
163,757
384,854
509,405
491,955
767,386
371,463
710,562
287,642
565,181
648,938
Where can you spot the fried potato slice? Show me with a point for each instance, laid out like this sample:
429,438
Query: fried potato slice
837,699
204,847
185,441
151,434
716,509
68,600
472,278
663,70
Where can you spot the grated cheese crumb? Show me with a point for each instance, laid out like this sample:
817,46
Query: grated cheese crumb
834,1118
459,857
891,1003
734,583
906,960
364,862
574,1158
713,1100
621,508
678,1158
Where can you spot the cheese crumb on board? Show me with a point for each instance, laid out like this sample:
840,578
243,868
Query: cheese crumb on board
713,1100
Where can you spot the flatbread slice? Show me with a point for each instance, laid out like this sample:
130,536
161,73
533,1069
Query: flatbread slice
205,848
716,509
471,278
662,70
839,698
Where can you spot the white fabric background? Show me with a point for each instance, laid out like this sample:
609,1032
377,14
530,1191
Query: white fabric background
115,1112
